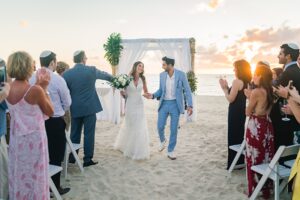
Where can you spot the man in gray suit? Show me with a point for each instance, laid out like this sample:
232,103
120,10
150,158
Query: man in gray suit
85,103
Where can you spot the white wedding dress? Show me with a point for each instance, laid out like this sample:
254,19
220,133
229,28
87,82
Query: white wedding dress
133,137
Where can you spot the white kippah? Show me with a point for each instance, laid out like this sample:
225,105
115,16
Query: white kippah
45,54
76,53
293,46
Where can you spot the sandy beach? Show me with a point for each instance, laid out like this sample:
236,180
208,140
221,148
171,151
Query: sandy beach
198,173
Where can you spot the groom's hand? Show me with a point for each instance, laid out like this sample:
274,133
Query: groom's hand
189,111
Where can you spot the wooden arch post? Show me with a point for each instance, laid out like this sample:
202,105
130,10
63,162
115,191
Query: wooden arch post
193,51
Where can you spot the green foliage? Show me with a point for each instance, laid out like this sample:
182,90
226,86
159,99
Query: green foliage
192,81
113,48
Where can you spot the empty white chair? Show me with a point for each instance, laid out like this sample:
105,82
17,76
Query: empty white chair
71,148
53,169
274,171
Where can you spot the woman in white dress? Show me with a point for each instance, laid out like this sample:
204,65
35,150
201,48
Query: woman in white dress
133,138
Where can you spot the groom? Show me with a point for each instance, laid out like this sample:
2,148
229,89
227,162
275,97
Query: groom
173,85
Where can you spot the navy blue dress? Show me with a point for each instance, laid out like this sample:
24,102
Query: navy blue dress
236,125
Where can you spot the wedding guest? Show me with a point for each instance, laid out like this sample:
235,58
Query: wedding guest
237,104
28,147
284,130
81,81
276,72
293,108
4,91
60,69
55,125
259,133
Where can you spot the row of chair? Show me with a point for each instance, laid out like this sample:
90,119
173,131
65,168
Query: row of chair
53,169
278,173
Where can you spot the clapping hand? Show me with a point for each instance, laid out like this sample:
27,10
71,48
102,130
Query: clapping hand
247,91
43,78
223,84
281,91
148,95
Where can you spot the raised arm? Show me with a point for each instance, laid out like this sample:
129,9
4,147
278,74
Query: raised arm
102,75
230,96
252,102
37,95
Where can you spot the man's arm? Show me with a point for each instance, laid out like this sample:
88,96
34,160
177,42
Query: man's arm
158,93
103,75
64,94
188,91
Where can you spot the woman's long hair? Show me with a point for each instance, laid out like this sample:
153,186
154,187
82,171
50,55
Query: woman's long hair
243,71
133,71
265,81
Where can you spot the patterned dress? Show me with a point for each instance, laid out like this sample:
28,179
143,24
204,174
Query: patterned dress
28,153
259,149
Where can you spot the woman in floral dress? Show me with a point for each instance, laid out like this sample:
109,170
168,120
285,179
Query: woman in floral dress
259,134
28,150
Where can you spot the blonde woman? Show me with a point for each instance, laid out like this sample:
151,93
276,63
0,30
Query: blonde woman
28,150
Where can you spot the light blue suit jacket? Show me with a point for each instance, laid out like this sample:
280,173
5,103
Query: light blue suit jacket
181,83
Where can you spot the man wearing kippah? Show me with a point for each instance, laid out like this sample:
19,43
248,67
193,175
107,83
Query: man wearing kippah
284,130
81,81
55,125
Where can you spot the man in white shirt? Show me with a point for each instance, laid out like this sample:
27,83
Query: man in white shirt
173,86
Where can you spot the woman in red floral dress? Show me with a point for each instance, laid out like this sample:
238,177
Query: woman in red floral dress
259,134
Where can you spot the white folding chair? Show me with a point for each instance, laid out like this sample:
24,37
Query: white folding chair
71,148
274,171
53,169
239,149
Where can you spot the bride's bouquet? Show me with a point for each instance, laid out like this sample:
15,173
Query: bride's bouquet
121,81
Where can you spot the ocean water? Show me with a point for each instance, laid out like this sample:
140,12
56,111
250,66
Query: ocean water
207,84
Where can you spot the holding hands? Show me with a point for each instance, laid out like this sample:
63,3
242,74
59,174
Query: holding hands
148,95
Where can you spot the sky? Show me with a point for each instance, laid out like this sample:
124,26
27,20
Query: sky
225,30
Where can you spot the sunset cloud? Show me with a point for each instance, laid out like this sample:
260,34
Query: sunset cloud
23,24
208,6
254,45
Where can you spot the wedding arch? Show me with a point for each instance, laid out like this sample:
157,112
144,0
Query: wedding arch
181,49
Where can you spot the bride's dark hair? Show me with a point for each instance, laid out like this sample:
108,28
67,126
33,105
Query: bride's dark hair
133,71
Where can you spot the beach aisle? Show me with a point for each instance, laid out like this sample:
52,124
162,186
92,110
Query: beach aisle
198,173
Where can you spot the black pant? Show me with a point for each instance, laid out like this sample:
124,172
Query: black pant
55,128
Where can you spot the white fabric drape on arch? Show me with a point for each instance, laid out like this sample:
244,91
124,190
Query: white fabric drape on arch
135,49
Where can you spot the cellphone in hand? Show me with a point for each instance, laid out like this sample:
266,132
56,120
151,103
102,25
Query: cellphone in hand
291,85
2,72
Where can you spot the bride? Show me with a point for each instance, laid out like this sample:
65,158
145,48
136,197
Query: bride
133,138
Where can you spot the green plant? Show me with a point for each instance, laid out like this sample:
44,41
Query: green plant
192,81
113,49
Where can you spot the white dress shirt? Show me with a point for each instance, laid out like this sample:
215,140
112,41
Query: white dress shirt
170,88
59,93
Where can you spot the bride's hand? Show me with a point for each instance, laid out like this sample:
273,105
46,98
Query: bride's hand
123,93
